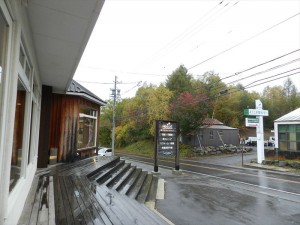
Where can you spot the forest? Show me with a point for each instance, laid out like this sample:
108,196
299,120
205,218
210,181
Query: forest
189,101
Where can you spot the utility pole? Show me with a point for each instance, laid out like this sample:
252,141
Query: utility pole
115,93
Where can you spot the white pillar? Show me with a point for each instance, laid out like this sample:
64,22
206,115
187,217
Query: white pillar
260,134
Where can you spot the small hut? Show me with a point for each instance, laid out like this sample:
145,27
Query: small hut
213,133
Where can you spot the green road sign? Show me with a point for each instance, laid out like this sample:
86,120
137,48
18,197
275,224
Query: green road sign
251,122
256,112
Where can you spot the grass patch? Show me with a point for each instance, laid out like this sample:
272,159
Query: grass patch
146,148
282,158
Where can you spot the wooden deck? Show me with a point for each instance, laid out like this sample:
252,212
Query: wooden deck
90,191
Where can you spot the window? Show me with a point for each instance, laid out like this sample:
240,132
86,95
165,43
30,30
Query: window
211,134
220,132
33,123
18,148
289,137
87,128
24,120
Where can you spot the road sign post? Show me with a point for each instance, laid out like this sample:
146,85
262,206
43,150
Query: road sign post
257,122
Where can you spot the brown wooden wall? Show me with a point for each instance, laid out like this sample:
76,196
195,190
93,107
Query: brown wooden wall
43,152
64,122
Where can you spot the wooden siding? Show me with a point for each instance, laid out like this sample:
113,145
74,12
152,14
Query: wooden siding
64,122
228,137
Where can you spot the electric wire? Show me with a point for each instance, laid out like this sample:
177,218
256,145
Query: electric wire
160,53
244,41
261,64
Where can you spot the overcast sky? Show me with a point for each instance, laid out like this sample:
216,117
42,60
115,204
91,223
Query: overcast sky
144,41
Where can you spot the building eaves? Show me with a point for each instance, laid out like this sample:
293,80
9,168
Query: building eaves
219,127
290,117
76,89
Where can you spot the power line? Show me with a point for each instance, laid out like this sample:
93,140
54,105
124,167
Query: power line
256,66
242,42
249,85
192,30
264,71
253,67
137,85
94,82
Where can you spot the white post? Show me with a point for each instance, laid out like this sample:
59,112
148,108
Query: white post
260,134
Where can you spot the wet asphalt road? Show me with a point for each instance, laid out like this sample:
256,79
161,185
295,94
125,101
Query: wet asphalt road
218,194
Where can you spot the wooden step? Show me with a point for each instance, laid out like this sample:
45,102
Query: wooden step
133,192
153,190
117,174
113,215
126,186
105,175
117,184
144,190
136,212
101,169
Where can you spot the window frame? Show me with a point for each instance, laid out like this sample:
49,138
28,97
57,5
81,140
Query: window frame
95,118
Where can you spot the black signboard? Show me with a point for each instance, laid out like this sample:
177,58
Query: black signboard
166,140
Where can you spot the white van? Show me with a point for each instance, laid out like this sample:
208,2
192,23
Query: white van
251,141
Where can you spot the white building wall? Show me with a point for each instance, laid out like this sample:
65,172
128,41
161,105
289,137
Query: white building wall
12,202
276,130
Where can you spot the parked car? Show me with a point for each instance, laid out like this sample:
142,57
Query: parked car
271,141
251,141
104,151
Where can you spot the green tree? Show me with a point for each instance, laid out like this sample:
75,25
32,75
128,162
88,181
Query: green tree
139,113
293,97
229,107
275,101
179,81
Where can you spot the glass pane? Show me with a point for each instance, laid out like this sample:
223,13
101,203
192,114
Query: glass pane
283,145
292,146
30,136
27,70
298,146
292,128
17,151
282,136
298,136
88,111
282,128
292,136
298,128
86,132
